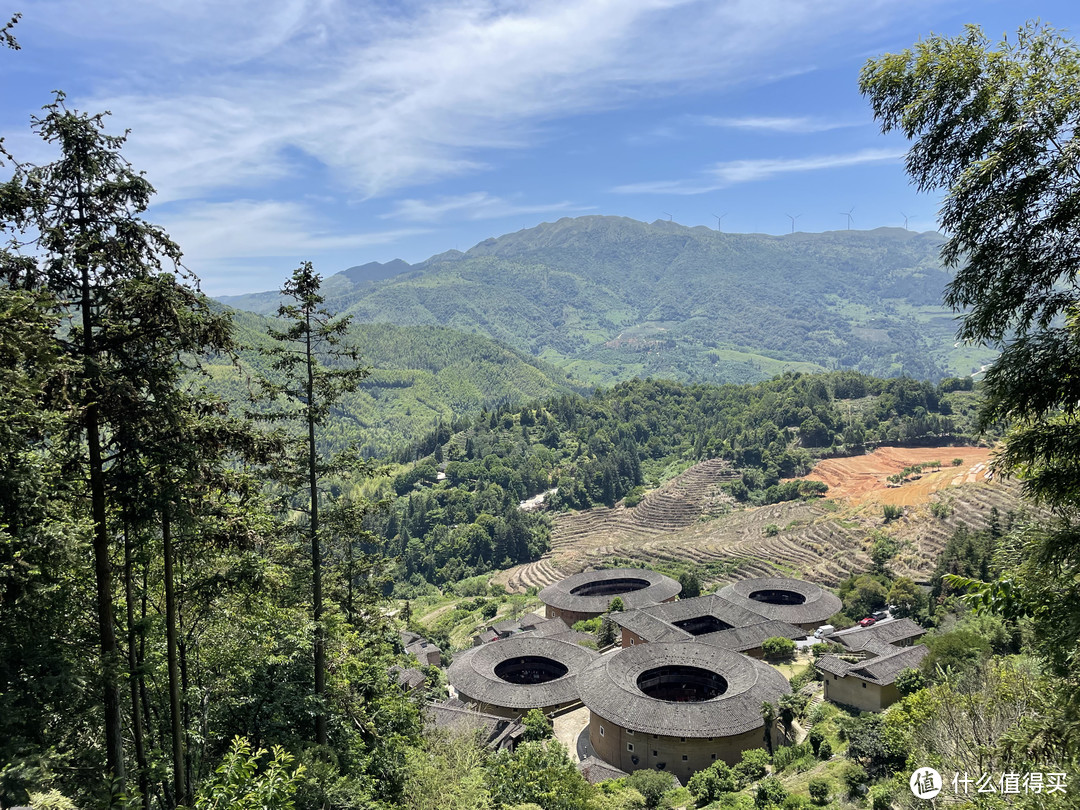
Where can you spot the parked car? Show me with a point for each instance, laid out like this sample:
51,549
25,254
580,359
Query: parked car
869,620
879,615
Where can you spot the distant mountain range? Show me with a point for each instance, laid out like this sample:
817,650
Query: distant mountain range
610,298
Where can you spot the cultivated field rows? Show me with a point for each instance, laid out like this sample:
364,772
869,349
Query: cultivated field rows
823,541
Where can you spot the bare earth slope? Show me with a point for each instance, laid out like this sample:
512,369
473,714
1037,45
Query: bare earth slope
687,520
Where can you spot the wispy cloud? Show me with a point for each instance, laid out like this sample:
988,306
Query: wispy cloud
793,125
475,206
382,96
730,173
245,229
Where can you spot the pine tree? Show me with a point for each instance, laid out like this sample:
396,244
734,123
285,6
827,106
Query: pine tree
318,369
117,282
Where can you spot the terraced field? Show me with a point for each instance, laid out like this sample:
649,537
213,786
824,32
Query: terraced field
689,520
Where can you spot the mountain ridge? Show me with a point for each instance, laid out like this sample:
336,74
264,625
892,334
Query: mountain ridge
611,298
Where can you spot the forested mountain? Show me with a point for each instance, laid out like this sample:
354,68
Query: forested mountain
599,449
419,376
611,298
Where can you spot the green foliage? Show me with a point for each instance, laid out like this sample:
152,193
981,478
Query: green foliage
861,595
53,800
612,274
891,512
854,777
240,783
874,745
448,771
709,784
770,530
909,680
615,605
608,633
753,764
690,584
957,462
957,651
819,790
825,750
770,793
539,772
881,797
905,596
537,726
652,785
778,648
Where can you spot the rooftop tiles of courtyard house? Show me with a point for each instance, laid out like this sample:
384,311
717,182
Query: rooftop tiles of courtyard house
520,673
588,594
680,689
783,599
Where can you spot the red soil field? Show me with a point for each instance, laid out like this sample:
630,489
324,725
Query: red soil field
865,477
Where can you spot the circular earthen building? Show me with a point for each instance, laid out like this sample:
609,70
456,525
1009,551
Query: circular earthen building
676,706
524,672
783,599
588,594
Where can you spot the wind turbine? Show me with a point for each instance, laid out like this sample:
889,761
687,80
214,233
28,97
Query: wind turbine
718,218
847,214
793,218
905,219
668,215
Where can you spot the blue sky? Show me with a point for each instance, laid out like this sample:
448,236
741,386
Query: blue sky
278,131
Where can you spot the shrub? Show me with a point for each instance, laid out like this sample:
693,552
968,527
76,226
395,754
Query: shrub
537,726
239,783
825,750
771,530
753,765
489,610
709,784
691,585
881,797
891,512
956,462
770,792
816,738
819,790
909,680
796,802
652,785
778,647
854,776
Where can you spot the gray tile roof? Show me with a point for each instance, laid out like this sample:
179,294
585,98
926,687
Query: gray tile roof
408,678
609,688
561,594
498,732
648,626
473,672
872,637
818,604
881,670
596,770
422,647
741,639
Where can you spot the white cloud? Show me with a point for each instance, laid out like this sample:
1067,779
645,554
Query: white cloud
212,233
387,95
795,125
730,173
475,206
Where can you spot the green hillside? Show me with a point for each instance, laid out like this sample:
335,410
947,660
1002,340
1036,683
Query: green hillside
420,375
610,298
